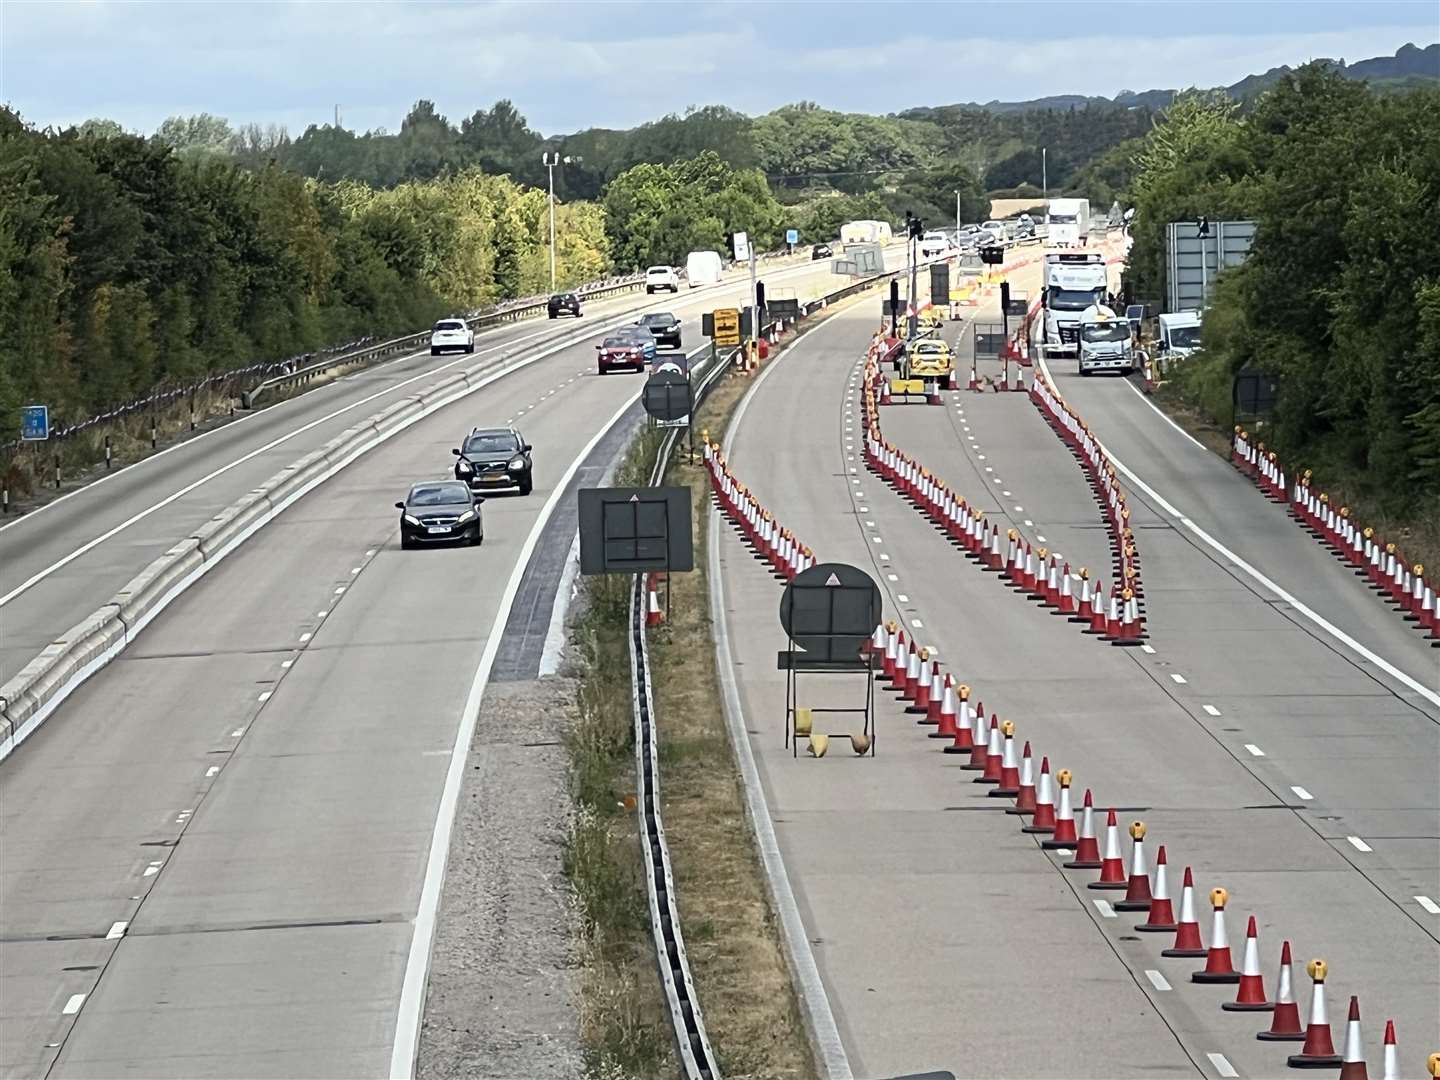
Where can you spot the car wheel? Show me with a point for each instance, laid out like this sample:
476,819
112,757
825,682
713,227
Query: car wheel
526,486
434,351
405,543
477,539
648,290
470,348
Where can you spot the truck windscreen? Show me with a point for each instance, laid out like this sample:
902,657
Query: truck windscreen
1185,337
1062,219
1073,299
1115,331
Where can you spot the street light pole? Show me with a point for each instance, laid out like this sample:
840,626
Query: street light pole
550,160
957,216
1044,174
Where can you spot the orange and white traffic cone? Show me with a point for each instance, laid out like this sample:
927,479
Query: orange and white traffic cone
994,754
925,685
1187,930
1392,1056
944,711
1218,967
1352,1065
964,722
1285,1024
1044,819
1064,835
1137,887
910,686
1319,1049
1008,786
1066,597
1025,796
1251,995
979,741
1112,866
1162,913
892,653
653,615
1087,851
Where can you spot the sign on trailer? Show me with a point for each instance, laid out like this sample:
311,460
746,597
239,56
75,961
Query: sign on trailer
635,530
35,423
727,326
668,397
830,611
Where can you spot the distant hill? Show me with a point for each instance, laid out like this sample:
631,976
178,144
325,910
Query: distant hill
1410,66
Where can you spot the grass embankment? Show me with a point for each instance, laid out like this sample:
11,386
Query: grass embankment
731,935
1197,397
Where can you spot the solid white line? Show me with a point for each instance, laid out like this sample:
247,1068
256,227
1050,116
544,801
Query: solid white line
1254,750
1358,844
564,593
1301,793
1157,980
73,1005
1235,560
1179,679
1221,1063
1211,710
417,963
1428,904
1189,438
1103,906
117,930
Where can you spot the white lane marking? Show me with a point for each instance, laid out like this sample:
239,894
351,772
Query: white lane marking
902,598
1029,522
212,770
1301,793
286,664
989,469
1189,438
265,695
1211,710
340,590
996,480
1103,906
1146,648
1157,980
1019,509
981,457
354,569
892,577
1315,617
1006,494
153,869
870,524
237,733
321,614
369,553
876,540
884,557
1040,538
417,961
917,624
73,1005
1428,904
1255,751
864,510
305,636
1221,1063
1358,844
1178,678
117,930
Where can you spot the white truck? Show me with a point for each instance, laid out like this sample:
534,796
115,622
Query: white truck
1074,281
1068,222
865,232
1105,341
702,268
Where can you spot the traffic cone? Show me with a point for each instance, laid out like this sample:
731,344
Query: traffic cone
1087,851
1285,1025
892,653
993,755
1352,1066
1044,819
911,678
964,723
1137,888
1064,836
1086,601
1008,786
653,615
945,713
1392,1055
1251,995
876,644
1218,968
928,677
1162,913
1025,796
1319,1049
1067,597
1187,930
1112,866
1097,611
980,741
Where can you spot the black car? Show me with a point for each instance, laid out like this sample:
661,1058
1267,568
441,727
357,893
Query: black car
440,512
494,458
665,327
563,303
820,251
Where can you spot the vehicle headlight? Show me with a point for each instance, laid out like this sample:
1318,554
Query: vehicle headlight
464,467
412,519
468,515
517,464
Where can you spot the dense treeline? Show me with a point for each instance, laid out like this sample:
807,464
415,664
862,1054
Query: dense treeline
1340,296
126,265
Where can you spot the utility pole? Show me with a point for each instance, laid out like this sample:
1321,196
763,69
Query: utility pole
1202,230
957,216
550,160
754,302
1044,174
913,228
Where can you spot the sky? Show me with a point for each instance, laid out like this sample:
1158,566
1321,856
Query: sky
606,63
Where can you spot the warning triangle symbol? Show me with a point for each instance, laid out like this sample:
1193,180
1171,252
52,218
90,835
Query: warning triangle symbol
634,498
832,579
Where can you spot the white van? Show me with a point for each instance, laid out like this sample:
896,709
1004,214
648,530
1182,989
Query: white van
702,268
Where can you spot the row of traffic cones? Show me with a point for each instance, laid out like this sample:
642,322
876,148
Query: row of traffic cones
767,539
1403,584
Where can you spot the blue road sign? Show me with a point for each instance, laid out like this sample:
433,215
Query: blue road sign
35,423
792,236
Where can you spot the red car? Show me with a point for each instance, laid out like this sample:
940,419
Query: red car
619,352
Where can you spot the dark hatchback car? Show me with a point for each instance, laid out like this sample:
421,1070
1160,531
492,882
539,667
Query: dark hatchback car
440,512
664,326
494,458
820,251
565,303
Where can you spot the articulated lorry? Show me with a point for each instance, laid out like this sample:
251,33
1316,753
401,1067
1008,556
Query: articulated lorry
1074,281
1068,222
865,232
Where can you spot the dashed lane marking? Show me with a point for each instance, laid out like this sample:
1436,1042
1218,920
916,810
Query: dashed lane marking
1222,1064
1358,844
117,930
1106,911
1211,710
918,625
212,770
1255,751
1157,980
1148,649
1301,793
1178,679
265,695
73,1005
1428,904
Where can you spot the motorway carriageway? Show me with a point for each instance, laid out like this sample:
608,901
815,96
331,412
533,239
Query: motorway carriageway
223,854
1256,745
61,562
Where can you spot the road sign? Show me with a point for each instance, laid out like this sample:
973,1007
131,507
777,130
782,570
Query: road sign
792,236
668,397
35,423
742,248
633,530
989,339
993,255
830,611
727,326
939,283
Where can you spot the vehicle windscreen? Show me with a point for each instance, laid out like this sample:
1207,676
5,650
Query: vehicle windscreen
491,444
1062,219
616,343
1185,337
439,494
564,297
450,324
1116,331
662,318
658,271
1072,299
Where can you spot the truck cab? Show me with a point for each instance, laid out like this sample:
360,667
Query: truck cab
1068,222
1179,333
1074,281
1105,342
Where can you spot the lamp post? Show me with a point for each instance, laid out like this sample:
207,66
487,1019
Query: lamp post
550,160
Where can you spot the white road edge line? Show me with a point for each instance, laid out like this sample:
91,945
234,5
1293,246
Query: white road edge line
417,962
1316,618
555,633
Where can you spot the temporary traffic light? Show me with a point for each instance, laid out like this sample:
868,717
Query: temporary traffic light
760,295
